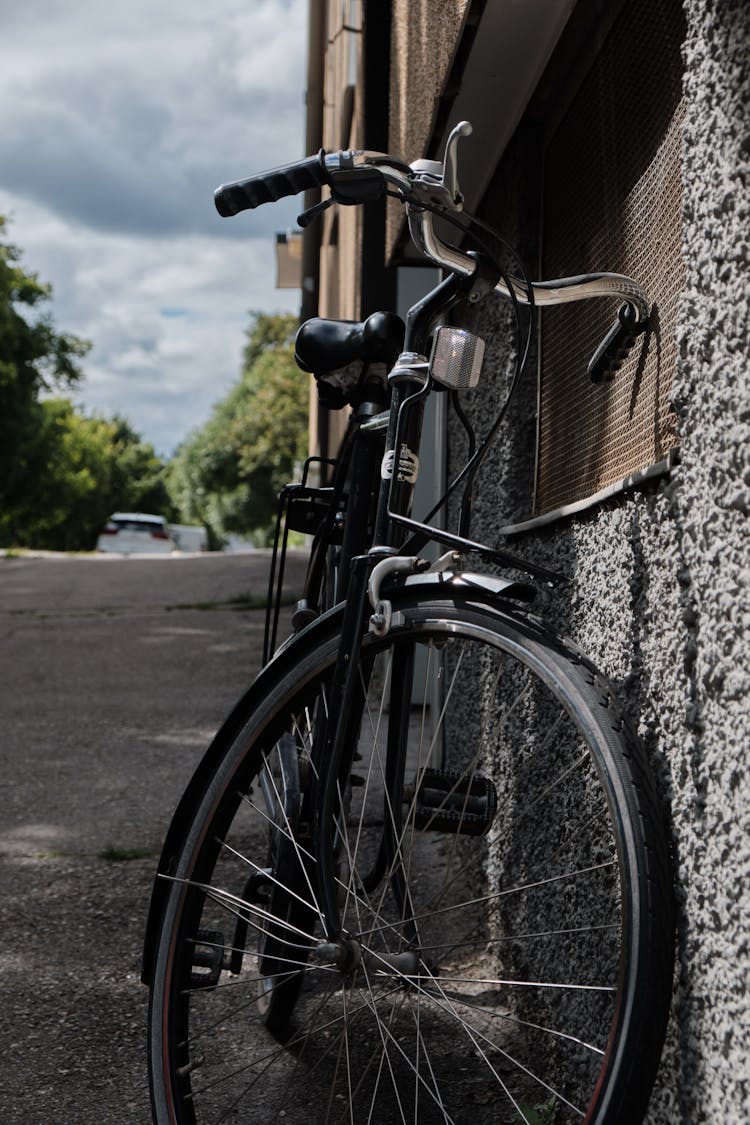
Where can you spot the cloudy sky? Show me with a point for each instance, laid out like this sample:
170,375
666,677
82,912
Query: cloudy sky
118,121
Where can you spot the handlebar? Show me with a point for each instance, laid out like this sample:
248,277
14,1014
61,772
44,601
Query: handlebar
268,187
428,188
558,292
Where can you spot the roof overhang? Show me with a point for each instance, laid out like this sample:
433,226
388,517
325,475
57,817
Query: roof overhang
510,50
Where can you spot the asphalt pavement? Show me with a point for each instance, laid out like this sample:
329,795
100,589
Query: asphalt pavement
114,674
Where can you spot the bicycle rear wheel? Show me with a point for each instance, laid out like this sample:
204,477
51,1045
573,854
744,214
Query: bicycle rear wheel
504,890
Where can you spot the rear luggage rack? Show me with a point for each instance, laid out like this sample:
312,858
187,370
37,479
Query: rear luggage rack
302,508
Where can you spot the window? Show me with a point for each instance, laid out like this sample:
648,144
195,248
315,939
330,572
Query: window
612,201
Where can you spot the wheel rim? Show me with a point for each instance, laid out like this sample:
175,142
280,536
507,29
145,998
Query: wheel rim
491,1020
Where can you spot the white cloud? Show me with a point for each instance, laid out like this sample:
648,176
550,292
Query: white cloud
118,123
162,371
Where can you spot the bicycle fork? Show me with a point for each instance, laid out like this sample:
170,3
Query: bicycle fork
348,693
338,750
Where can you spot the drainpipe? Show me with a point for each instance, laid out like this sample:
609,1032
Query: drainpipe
378,286
313,142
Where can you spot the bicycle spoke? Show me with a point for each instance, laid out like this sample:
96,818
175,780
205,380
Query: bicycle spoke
496,982
450,947
386,1032
494,1014
424,1051
272,878
290,835
475,1034
495,896
235,904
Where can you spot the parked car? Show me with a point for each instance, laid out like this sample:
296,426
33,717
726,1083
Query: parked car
189,537
133,533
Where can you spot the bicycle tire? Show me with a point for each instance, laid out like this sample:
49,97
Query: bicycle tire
511,967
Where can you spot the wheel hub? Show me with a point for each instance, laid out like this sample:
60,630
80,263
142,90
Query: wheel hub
347,954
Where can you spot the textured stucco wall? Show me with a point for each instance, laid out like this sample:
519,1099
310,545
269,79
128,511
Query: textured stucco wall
659,595
424,37
341,241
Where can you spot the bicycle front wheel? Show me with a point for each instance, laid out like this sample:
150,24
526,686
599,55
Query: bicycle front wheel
503,887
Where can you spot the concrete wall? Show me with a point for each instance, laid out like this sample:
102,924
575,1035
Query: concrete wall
659,596
339,278
660,578
424,37
342,128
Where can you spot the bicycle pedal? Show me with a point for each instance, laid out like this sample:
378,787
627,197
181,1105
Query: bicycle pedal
208,959
448,801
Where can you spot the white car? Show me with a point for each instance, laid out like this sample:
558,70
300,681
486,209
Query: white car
189,537
131,533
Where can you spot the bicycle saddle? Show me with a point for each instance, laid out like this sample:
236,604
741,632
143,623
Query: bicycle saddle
338,352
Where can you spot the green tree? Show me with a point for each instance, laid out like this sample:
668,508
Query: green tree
34,358
61,473
228,474
80,470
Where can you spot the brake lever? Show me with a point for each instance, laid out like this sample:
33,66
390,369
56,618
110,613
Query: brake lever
438,182
450,160
312,213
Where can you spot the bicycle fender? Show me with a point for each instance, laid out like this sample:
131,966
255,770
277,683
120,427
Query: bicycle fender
485,589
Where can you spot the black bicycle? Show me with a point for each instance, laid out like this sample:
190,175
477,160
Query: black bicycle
421,874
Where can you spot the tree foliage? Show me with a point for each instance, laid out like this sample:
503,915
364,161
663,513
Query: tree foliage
228,473
79,469
33,358
61,473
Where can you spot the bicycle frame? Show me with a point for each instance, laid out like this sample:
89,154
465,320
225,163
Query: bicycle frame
426,187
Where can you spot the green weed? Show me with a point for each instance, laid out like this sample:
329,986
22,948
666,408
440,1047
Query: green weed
539,1115
122,855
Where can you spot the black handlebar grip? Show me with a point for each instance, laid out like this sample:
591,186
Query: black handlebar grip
267,187
616,344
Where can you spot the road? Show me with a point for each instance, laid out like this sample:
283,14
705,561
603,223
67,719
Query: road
114,673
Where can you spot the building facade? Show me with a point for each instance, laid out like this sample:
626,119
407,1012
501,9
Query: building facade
607,136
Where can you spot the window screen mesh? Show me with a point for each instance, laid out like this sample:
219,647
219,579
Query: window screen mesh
612,201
